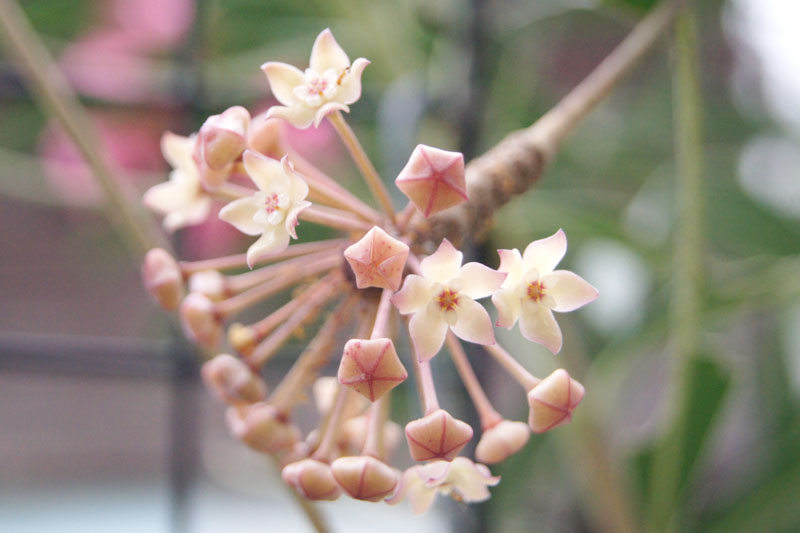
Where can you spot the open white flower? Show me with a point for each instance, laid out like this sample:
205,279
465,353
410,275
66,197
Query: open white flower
272,210
444,296
182,199
330,83
460,479
533,290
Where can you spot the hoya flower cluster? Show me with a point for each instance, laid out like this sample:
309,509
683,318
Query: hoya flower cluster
353,291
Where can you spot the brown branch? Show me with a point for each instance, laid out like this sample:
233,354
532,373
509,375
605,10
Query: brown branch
519,160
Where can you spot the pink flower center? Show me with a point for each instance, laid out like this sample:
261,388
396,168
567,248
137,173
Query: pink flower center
317,86
271,204
447,300
536,290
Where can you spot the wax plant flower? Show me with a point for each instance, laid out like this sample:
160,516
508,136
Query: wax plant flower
359,292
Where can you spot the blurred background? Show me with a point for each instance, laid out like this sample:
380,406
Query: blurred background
104,422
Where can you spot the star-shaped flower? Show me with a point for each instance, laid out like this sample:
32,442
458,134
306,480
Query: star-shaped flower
433,179
182,198
533,290
371,367
444,296
437,435
377,260
460,478
330,84
553,400
272,211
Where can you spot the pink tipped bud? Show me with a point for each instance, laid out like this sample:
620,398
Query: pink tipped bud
377,260
553,400
265,135
232,380
199,320
221,141
162,278
437,436
365,478
312,479
242,338
433,179
501,441
261,427
371,367
209,282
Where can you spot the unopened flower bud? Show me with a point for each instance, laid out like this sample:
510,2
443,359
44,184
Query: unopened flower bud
242,338
553,400
199,320
300,450
265,135
162,278
312,479
221,141
377,260
433,179
437,436
371,367
232,380
209,282
365,478
261,427
501,441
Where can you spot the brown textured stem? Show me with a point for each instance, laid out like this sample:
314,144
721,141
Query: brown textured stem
519,160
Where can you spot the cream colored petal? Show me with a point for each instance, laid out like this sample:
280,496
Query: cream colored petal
298,188
169,196
479,281
270,242
290,223
283,79
420,496
427,329
177,150
545,254
414,296
192,214
326,53
266,173
537,324
443,264
327,109
569,290
470,480
508,306
350,89
239,213
473,323
299,115
511,263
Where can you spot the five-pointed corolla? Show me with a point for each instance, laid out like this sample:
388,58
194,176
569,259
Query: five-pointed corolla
162,278
371,367
377,260
272,210
533,290
501,441
365,478
437,436
460,479
232,380
220,142
330,84
433,179
444,296
553,400
182,199
312,479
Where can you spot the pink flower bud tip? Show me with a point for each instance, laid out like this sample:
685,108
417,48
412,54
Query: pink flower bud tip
501,441
261,427
365,477
232,380
553,400
437,436
377,260
221,141
199,320
311,479
433,179
162,278
371,367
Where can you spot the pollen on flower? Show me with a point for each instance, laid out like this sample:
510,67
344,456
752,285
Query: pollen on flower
535,290
447,300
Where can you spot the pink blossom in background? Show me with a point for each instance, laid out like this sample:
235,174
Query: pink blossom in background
156,23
